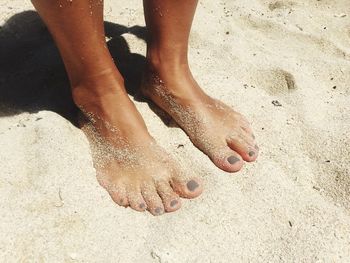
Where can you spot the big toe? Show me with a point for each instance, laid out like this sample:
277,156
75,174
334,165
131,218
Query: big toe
187,188
227,160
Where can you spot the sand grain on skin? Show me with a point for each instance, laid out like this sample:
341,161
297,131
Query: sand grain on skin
292,205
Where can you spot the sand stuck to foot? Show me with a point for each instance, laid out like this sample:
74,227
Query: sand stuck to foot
283,64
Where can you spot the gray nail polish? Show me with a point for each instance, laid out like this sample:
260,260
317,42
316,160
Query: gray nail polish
251,153
142,206
173,203
192,185
233,159
158,210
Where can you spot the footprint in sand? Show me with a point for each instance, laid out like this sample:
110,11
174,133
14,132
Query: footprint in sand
274,81
281,5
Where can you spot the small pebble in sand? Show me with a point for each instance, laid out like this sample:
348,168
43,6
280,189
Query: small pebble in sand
276,103
299,27
316,188
73,256
340,15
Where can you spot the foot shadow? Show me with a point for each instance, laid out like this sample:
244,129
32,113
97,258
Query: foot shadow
32,74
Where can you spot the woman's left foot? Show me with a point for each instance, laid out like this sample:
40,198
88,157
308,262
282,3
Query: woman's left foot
223,134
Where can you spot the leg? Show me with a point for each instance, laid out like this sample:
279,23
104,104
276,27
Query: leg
125,155
221,133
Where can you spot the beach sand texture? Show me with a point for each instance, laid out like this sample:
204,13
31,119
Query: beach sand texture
283,64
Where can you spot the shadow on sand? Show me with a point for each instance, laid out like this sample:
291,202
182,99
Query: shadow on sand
32,74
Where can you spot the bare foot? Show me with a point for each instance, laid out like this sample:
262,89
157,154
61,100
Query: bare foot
220,132
134,170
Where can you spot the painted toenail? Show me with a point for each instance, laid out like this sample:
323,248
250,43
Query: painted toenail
158,210
173,203
251,153
142,206
233,159
192,185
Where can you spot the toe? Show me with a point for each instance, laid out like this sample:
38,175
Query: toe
248,132
118,194
153,201
245,124
246,127
244,145
227,160
187,188
136,200
171,200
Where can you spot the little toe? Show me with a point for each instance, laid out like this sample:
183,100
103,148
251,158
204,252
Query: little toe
118,194
227,160
187,188
248,133
136,200
171,200
153,201
246,124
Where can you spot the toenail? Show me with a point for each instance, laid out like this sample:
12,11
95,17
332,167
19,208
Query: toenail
192,185
142,206
158,210
173,203
251,153
233,159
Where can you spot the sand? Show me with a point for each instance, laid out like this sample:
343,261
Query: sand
283,64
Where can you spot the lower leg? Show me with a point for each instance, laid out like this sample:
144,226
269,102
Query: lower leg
77,28
168,26
221,133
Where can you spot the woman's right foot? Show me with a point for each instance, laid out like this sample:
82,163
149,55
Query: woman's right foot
134,170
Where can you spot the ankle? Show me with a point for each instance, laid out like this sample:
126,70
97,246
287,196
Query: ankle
93,89
94,78
168,59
